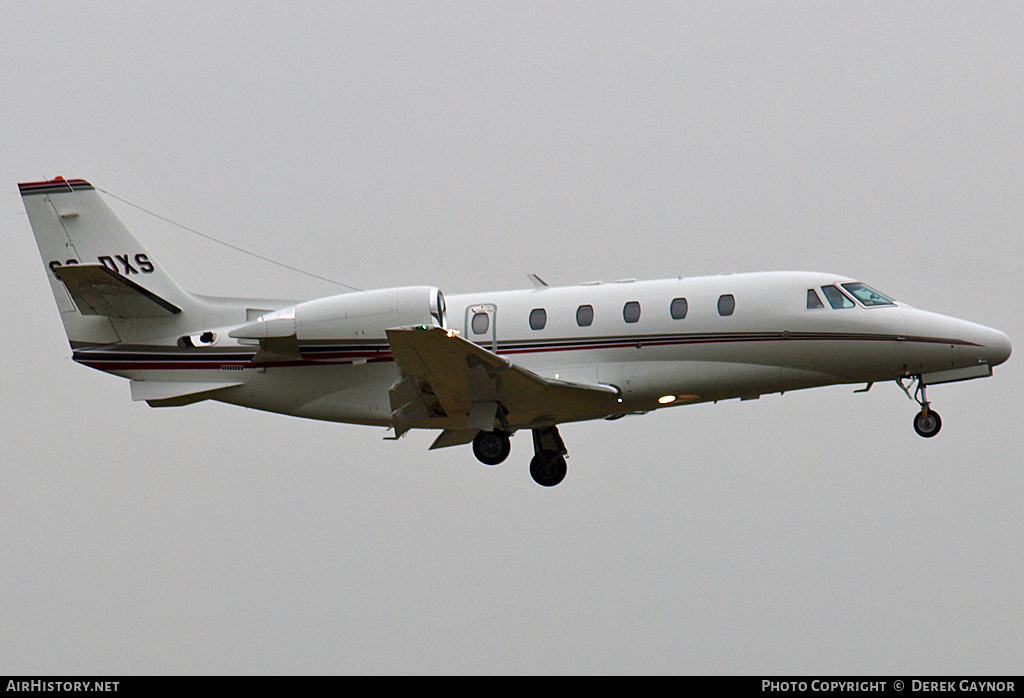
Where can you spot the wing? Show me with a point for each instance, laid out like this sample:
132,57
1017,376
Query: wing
451,383
99,291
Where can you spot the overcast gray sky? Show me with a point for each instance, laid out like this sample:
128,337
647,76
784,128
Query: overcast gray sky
465,145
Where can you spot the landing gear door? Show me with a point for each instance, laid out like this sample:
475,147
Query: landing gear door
482,326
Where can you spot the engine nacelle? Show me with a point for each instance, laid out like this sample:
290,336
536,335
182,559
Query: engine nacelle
359,315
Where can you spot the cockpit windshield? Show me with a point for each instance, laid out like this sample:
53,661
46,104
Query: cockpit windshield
836,298
867,295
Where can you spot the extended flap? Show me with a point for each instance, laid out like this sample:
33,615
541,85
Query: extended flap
469,382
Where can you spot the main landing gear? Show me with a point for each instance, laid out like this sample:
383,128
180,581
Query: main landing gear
491,447
927,422
548,465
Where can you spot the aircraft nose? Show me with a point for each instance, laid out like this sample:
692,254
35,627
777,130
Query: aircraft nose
993,346
997,348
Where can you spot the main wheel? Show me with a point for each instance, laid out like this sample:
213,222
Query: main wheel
927,423
491,447
548,470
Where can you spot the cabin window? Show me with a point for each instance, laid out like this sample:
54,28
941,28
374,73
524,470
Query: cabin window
585,315
726,304
678,308
813,301
538,318
480,323
867,295
836,298
631,311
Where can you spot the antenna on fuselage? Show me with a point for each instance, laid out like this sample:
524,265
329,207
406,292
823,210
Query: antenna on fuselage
228,244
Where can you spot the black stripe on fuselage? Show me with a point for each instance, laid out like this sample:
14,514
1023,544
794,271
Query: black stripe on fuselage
514,347
149,357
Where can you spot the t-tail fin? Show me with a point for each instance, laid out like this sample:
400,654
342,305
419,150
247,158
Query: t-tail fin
100,275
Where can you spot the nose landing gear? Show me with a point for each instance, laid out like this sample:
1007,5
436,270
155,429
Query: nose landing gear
926,422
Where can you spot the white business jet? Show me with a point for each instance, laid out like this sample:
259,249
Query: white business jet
480,367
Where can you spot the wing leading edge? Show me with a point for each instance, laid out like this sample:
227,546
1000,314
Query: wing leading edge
453,384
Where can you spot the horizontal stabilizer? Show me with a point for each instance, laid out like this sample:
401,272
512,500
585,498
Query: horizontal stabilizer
97,290
178,393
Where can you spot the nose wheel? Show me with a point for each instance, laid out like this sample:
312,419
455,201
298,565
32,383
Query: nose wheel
927,422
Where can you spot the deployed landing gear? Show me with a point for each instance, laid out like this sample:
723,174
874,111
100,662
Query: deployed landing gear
491,447
926,422
548,465
548,470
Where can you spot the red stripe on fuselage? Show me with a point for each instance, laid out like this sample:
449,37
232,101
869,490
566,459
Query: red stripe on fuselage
123,363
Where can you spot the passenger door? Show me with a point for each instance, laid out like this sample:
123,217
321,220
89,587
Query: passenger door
482,326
